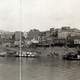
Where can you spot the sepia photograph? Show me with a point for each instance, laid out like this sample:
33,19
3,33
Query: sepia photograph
39,39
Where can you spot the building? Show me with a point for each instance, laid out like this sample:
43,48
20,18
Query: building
76,40
59,42
66,32
18,35
44,36
52,30
75,32
65,28
63,34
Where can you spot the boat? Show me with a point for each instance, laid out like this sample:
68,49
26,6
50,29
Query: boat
2,54
26,54
32,54
11,54
72,56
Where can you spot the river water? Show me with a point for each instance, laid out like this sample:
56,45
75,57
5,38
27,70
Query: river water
39,69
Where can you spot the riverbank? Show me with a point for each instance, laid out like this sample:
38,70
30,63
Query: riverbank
45,51
55,51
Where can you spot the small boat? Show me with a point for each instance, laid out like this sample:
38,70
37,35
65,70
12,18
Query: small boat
32,54
11,54
72,56
28,54
2,54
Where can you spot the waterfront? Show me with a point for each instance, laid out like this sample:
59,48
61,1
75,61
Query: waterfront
39,69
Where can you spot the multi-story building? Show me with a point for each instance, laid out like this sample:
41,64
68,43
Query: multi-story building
64,32
76,40
75,32
18,35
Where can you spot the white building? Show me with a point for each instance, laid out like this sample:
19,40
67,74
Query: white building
63,34
77,41
34,40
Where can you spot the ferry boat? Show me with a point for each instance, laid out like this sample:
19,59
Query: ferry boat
72,56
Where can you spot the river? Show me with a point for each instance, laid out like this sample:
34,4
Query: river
39,69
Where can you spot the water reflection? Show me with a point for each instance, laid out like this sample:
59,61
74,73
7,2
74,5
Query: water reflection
39,69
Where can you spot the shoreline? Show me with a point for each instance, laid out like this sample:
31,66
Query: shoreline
45,51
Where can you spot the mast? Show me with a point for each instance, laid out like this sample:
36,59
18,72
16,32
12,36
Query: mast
20,44
20,54
20,58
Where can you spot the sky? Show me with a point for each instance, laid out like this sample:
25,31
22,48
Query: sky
40,14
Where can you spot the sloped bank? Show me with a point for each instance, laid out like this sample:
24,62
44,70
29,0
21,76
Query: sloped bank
55,51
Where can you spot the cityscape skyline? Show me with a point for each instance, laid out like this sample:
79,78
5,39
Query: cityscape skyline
55,28
46,29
